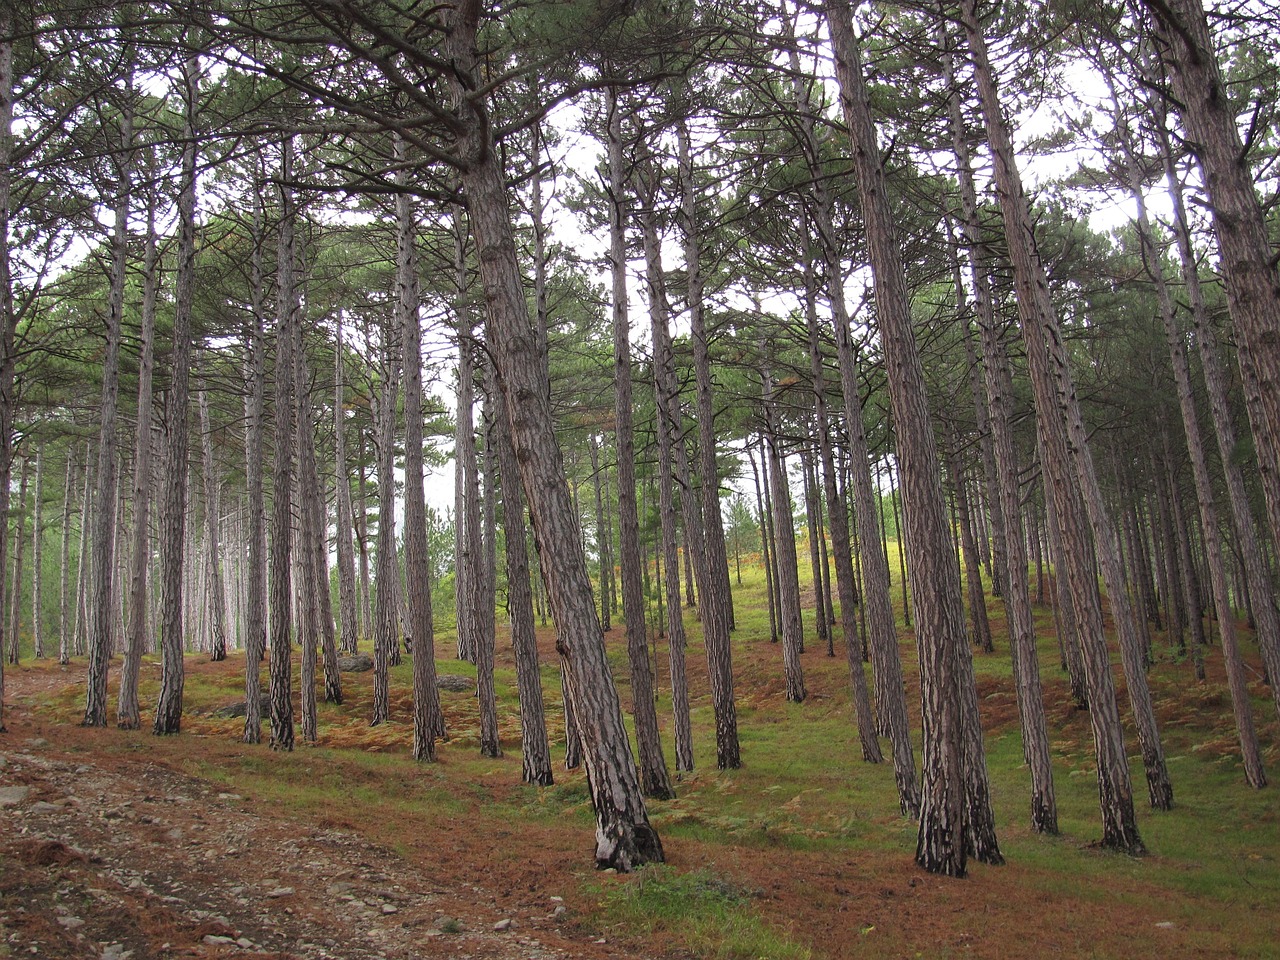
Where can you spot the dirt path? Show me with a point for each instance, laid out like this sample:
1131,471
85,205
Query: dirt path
125,859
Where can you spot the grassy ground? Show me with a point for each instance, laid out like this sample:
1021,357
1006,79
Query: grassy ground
801,853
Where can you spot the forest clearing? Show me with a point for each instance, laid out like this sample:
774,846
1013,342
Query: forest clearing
800,853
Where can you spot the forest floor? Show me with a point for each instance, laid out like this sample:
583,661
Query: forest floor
118,844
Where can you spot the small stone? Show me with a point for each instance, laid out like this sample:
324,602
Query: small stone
230,796
12,796
38,743
244,943
501,925
41,806
610,871
84,768
175,833
390,908
215,941
70,923
557,899
280,892
1165,925
559,911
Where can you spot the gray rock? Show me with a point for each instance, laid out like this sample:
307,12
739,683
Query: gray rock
356,663
70,923
455,683
12,796
41,806
501,925
280,892
215,941
238,709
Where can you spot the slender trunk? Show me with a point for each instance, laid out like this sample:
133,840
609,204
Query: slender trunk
15,590
212,513
486,592
624,836
953,784
1247,262
37,558
348,608
387,570
65,617
281,663
535,750
428,719
8,313
102,605
784,539
173,501
255,414
466,483
653,770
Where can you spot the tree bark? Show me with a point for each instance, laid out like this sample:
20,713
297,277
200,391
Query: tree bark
948,774
348,608
788,579
255,414
624,836
212,518
173,502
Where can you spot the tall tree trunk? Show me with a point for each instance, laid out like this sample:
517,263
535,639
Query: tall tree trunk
173,500
535,750
890,693
624,836
969,547
785,540
287,308
766,524
951,779
8,311
212,518
846,584
1247,262
466,483
348,611
1011,545
653,769
1262,592
15,589
127,715
1056,397
102,605
387,569
255,414
65,616
428,720
486,593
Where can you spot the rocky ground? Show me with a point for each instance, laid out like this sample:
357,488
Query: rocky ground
130,860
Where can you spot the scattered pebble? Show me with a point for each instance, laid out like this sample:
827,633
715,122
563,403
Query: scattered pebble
12,796
390,908
214,941
504,924
280,892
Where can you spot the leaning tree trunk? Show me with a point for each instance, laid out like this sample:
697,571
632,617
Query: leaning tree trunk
1012,561
1261,590
1250,749
1056,400
173,500
890,693
624,836
1247,262
940,639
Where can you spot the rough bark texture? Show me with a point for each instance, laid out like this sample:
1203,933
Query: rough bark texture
281,664
940,639
486,594
348,607
535,749
1247,262
127,716
217,593
387,569
624,836
104,519
1250,749
428,720
255,414
653,771
8,315
846,585
784,538
173,501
